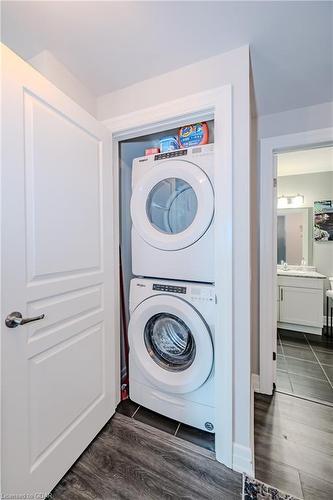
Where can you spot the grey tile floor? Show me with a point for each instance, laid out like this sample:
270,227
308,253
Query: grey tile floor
305,365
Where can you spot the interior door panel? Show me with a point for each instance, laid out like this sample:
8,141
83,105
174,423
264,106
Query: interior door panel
57,260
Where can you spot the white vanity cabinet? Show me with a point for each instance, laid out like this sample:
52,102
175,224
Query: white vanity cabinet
300,303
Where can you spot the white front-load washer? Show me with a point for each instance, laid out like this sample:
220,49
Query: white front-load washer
172,211
171,349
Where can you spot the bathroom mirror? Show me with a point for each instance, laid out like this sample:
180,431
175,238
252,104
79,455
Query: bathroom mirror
294,235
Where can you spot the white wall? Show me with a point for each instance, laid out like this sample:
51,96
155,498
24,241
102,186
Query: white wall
295,120
204,75
229,68
255,239
314,187
61,77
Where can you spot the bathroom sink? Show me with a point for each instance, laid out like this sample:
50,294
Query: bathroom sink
305,273
294,271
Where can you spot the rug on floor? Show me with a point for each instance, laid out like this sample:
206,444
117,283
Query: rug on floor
253,489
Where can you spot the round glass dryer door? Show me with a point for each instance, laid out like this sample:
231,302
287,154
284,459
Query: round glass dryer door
171,343
172,205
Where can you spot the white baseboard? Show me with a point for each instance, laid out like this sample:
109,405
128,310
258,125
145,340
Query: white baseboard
242,459
325,319
256,382
316,330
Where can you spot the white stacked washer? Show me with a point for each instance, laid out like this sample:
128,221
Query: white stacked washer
171,357
172,210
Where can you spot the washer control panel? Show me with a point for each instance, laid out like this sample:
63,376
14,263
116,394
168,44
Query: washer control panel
169,288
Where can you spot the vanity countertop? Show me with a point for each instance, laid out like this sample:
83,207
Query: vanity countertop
300,274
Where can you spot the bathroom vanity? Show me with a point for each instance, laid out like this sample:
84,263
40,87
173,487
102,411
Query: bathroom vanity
300,297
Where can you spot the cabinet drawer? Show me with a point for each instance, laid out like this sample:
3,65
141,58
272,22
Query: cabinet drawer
301,306
300,282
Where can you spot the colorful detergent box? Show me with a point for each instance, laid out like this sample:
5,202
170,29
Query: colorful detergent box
169,143
193,135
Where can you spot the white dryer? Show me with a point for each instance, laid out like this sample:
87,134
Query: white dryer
171,356
172,211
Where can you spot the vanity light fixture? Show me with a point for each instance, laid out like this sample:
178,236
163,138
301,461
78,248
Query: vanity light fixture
290,201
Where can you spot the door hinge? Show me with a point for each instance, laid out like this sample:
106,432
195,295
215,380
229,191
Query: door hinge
215,299
275,182
274,356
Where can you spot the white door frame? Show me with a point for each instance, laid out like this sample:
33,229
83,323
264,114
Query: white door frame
217,104
269,147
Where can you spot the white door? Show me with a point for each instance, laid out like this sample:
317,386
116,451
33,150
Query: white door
172,206
301,306
171,343
57,372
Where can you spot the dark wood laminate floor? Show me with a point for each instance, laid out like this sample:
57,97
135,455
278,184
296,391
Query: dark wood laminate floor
182,431
131,460
294,445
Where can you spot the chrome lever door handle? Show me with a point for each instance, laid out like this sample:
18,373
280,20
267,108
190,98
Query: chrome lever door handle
15,319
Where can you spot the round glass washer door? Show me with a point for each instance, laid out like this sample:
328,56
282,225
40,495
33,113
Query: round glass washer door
171,344
172,205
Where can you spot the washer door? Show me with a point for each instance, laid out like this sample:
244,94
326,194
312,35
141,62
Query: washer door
171,343
172,206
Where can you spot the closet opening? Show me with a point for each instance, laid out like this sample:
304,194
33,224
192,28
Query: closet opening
169,342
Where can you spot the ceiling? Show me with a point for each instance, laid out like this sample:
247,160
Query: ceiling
110,45
307,161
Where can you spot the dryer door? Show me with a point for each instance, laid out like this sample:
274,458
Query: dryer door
172,205
171,343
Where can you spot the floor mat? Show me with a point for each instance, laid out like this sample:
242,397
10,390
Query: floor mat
253,489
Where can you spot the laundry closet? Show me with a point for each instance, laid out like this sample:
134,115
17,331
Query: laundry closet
167,275
65,282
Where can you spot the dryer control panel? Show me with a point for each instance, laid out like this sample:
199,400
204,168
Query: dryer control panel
170,154
169,288
205,294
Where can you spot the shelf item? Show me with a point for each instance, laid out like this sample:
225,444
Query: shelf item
193,135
